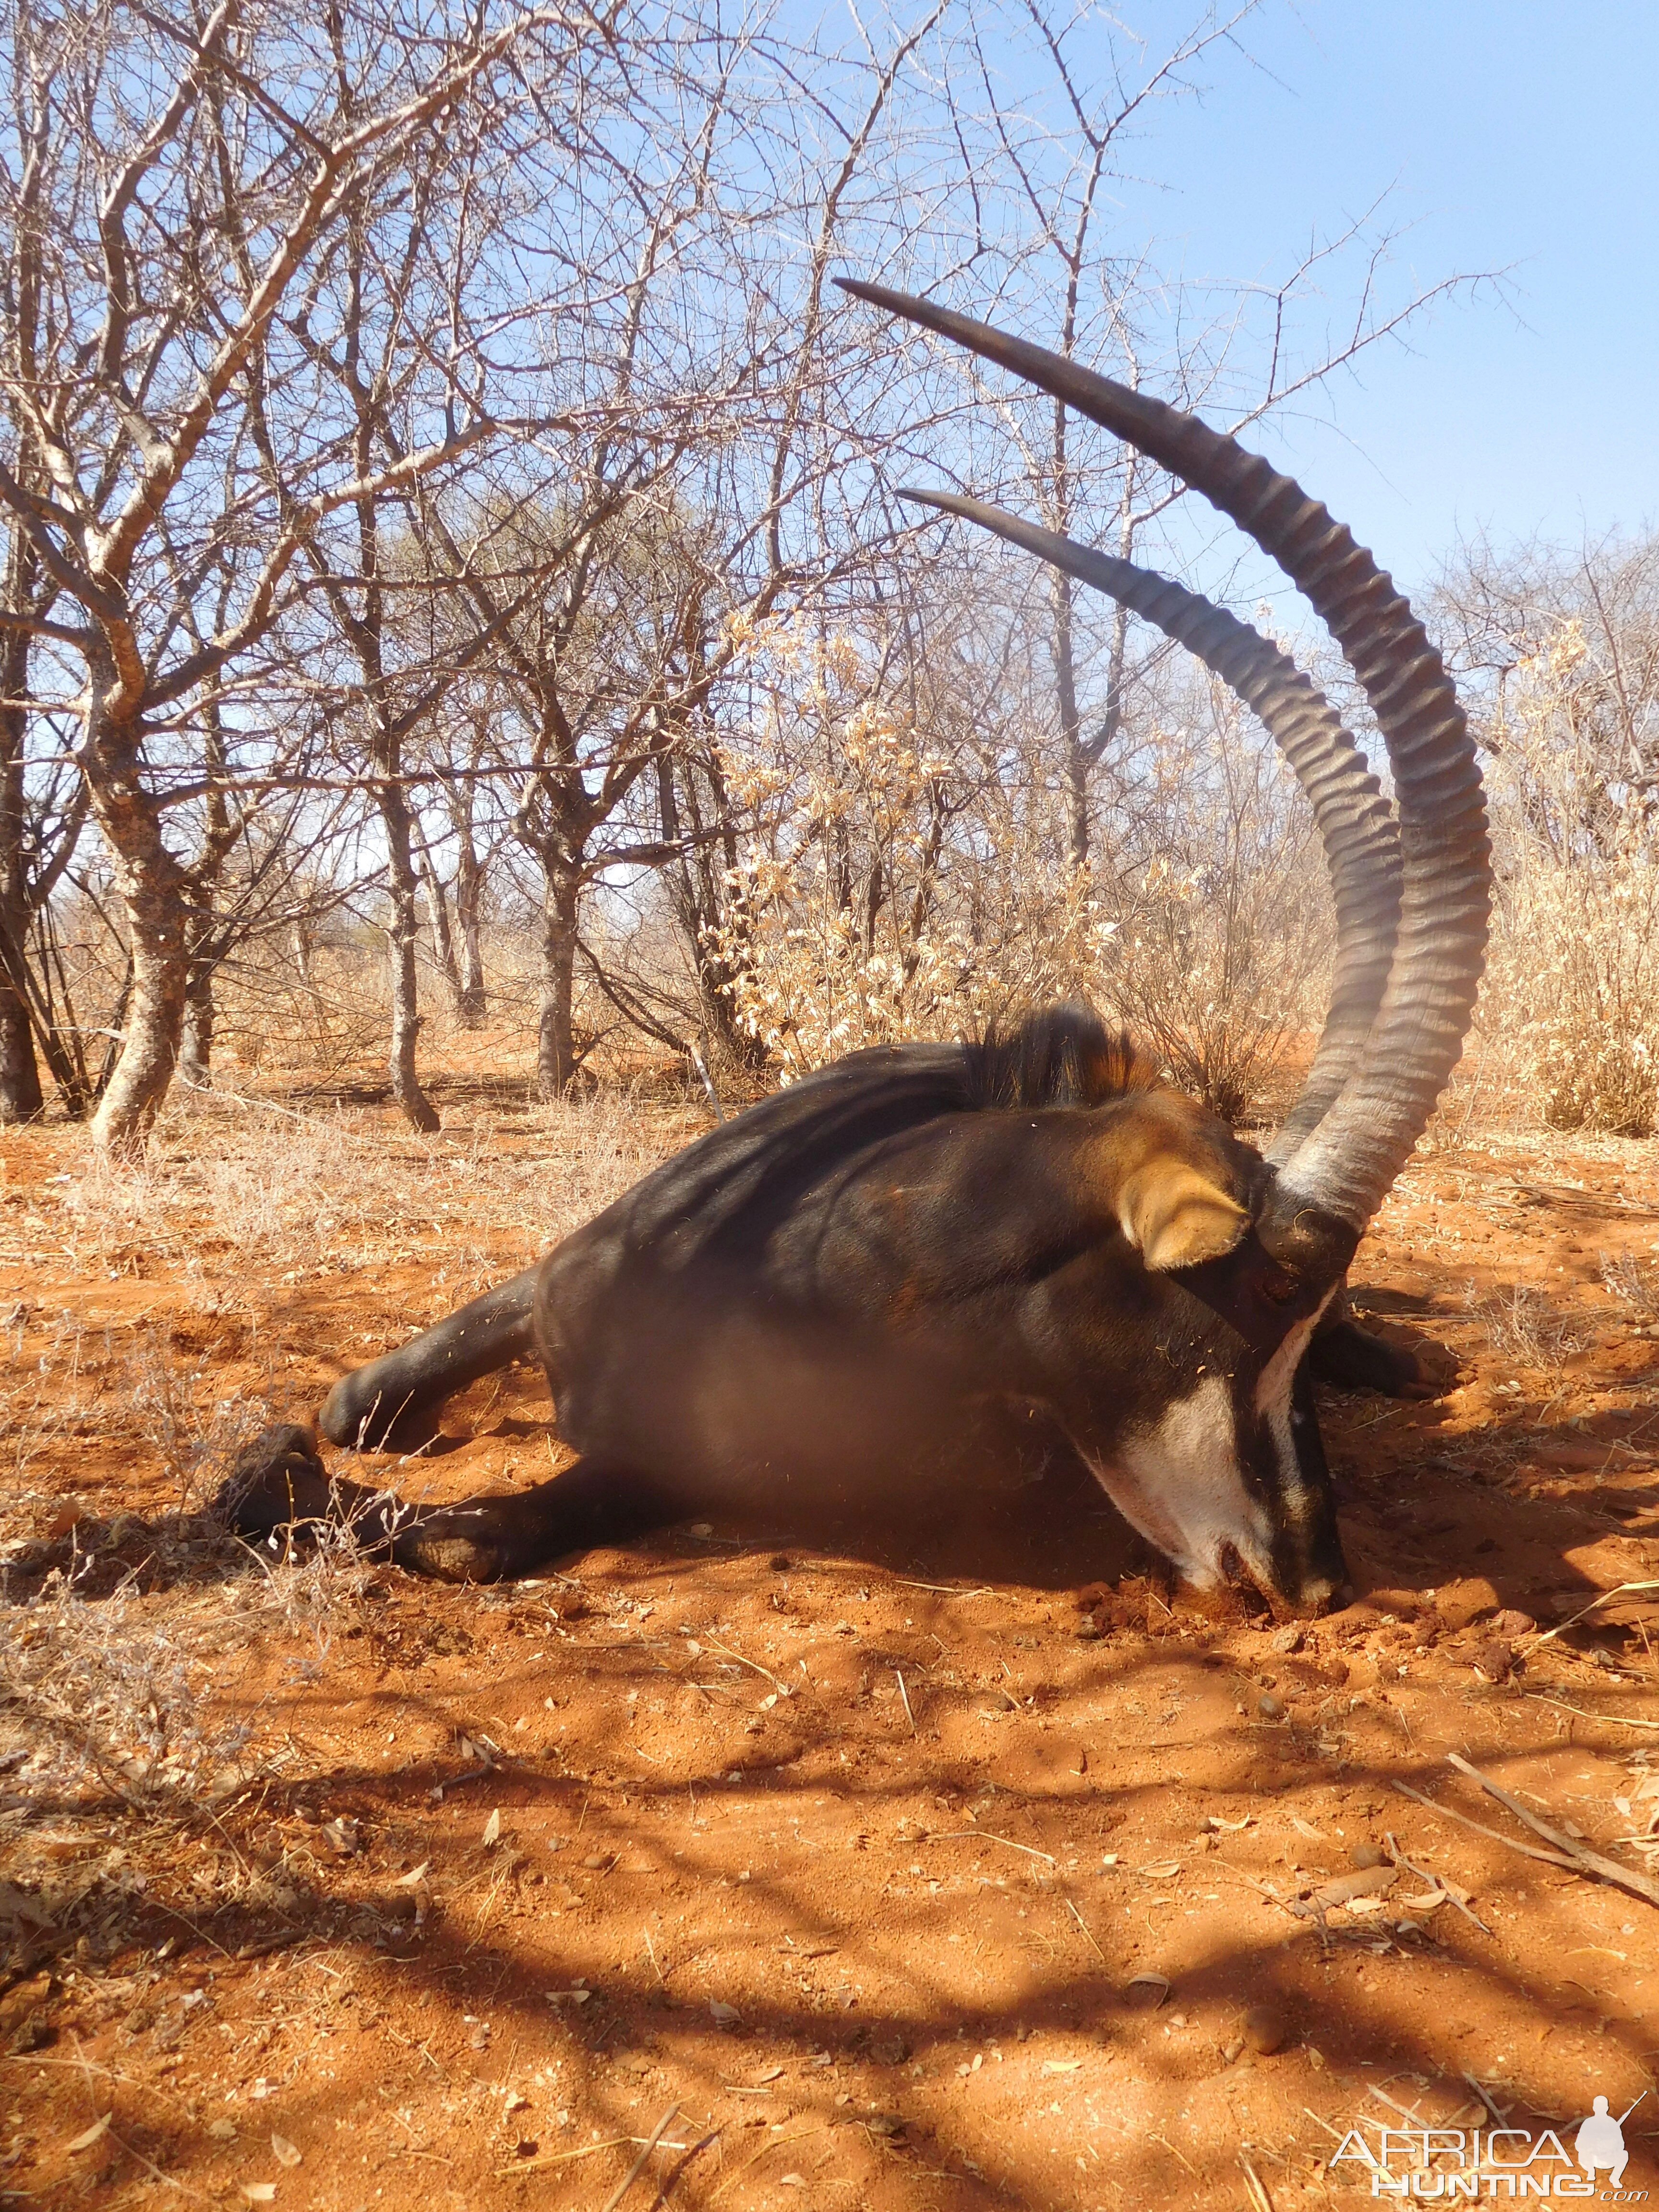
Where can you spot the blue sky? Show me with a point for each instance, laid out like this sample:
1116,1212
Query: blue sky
1516,135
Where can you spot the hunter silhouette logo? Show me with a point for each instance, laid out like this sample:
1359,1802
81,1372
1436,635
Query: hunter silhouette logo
1602,2142
1448,2163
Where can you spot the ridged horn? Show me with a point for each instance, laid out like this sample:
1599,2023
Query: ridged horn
1355,823
1340,1175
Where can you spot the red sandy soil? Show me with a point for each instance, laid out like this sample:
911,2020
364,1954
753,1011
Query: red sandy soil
930,1872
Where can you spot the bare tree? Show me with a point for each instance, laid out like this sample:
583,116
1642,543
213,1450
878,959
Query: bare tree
172,185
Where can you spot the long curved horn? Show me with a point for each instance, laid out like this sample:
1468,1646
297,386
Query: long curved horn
1356,824
1339,1177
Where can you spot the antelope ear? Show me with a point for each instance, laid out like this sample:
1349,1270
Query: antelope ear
1175,1217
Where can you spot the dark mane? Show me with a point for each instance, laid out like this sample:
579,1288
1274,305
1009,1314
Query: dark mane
1059,1056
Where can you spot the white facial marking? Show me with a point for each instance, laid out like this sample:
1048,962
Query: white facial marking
1273,1404
1179,1483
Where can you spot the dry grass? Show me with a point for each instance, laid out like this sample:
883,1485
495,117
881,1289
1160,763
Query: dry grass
1523,1324
111,1657
254,1183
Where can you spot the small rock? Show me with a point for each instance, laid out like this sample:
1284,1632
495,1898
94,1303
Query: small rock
1288,1640
1494,1658
700,1528
1270,1707
222,2130
525,2148
32,2033
1512,1622
1459,1602
595,1861
890,2050
1573,1456
1230,2049
1367,1855
1265,2028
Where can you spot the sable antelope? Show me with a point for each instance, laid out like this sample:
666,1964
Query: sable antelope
876,1279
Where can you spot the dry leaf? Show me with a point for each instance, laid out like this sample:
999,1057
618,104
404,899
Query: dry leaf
724,2015
1159,1983
284,2152
492,1834
1348,1886
1061,2065
1164,1870
18,1904
415,1874
260,2192
346,1836
1306,1828
85,2141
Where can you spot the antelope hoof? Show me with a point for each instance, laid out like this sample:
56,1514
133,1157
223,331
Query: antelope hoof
275,1481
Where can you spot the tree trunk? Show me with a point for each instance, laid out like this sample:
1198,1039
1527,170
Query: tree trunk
472,1002
196,1046
697,885
403,934
556,1045
1073,752
152,888
21,1098
443,942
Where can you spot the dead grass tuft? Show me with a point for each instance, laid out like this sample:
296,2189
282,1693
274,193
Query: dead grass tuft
1522,1324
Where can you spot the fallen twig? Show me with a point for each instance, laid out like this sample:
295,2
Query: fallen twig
981,1836
1083,1925
1434,1882
1614,1720
674,2173
1256,2189
1527,1851
1601,1597
627,2179
1293,1905
765,2151
726,1651
1639,1885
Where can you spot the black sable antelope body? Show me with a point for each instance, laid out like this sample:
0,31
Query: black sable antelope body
872,1281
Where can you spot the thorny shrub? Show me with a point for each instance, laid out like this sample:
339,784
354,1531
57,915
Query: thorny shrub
903,885
111,1696
1572,992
